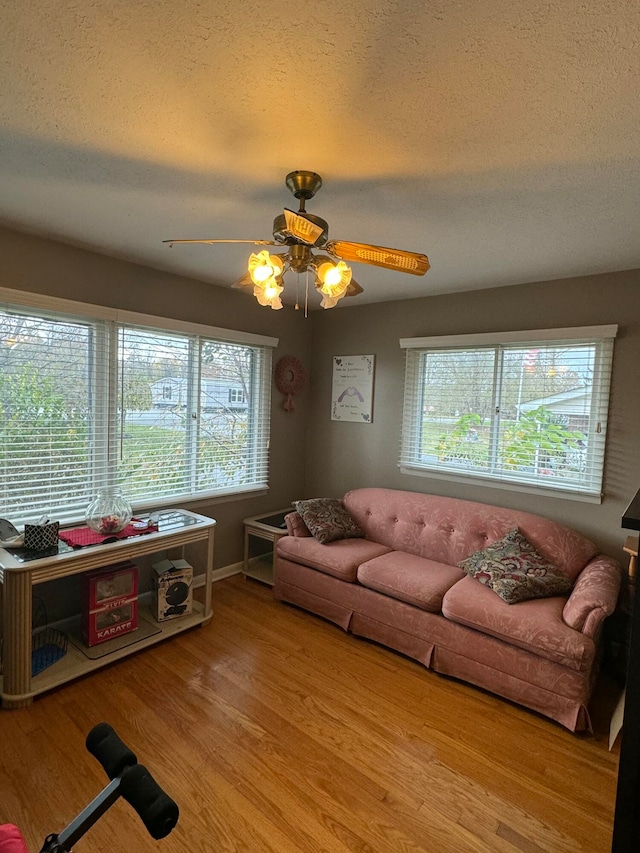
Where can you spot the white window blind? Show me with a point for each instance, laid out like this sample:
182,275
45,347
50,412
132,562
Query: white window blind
92,402
527,408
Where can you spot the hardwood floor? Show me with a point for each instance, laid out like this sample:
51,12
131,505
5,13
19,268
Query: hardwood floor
275,731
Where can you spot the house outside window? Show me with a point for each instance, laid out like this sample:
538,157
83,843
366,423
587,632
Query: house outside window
85,403
525,409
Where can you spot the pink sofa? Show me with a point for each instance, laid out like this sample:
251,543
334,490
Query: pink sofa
401,587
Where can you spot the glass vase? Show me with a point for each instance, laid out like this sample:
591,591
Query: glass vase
109,512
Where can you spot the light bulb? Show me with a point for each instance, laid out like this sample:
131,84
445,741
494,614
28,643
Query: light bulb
263,266
268,294
332,282
262,273
332,276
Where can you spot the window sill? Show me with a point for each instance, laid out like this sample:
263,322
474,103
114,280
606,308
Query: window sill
528,488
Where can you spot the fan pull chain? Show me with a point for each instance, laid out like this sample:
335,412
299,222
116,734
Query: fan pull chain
297,291
306,296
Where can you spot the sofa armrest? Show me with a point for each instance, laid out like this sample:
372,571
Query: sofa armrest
295,525
594,596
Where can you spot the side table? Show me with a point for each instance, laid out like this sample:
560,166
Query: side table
260,561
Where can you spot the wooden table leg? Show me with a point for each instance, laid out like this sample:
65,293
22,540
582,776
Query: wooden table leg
16,646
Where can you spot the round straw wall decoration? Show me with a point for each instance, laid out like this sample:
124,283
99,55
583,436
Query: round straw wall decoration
290,377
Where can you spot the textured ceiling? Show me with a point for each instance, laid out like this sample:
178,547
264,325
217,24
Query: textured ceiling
501,138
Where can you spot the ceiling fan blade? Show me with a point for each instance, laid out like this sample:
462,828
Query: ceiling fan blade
255,242
354,289
392,259
245,281
302,228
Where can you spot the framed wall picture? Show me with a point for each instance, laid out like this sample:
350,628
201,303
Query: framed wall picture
352,388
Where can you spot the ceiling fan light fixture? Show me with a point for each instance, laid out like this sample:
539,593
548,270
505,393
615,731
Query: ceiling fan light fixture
301,232
268,294
263,266
266,272
332,281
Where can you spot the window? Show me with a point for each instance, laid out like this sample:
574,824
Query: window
527,409
236,395
123,399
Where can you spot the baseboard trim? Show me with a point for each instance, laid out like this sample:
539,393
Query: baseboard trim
227,571
219,574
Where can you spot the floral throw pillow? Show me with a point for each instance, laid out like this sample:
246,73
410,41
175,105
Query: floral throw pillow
515,570
327,520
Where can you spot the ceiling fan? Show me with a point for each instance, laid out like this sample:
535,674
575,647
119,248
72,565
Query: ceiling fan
302,233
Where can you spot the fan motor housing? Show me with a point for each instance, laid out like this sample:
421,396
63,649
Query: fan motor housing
281,235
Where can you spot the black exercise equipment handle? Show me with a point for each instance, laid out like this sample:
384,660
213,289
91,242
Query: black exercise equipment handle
158,811
130,780
105,745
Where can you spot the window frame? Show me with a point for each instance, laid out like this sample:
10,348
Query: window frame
103,355
413,408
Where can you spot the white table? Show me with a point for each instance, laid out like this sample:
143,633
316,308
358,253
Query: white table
177,528
267,526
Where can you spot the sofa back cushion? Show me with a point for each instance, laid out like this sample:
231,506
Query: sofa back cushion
449,529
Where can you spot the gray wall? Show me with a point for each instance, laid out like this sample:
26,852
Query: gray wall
344,455
44,266
313,455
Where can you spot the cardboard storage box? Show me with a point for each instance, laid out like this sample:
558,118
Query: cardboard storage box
173,587
110,603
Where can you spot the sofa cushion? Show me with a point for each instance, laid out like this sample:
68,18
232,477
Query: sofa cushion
327,520
515,570
340,559
416,580
534,625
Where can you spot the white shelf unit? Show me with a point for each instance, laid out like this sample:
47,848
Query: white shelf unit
18,687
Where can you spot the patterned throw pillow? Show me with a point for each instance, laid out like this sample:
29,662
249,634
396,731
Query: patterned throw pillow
327,520
515,570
